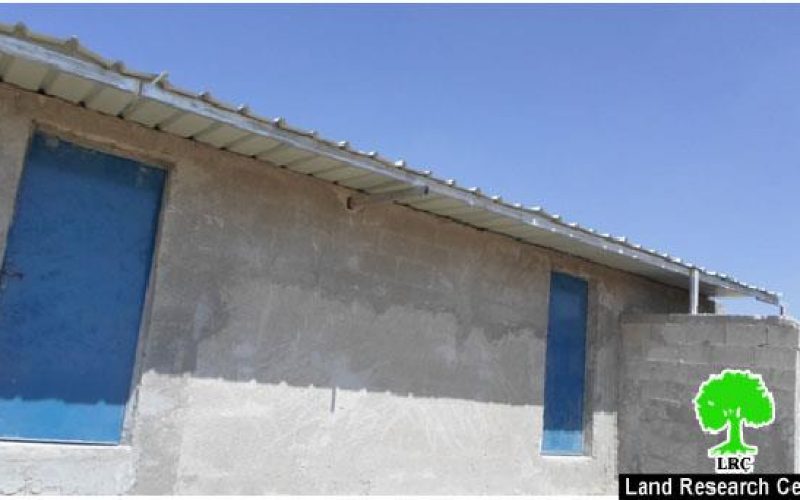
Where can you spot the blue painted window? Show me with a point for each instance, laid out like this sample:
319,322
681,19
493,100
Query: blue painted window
565,368
72,289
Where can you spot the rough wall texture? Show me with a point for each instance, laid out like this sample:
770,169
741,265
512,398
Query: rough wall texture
294,347
666,358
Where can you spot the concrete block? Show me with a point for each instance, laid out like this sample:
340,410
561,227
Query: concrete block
668,334
635,370
668,370
784,359
732,356
696,354
677,456
631,395
694,375
746,334
634,337
780,379
655,352
783,336
706,332
663,389
784,405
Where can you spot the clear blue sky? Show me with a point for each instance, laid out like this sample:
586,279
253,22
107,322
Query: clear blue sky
677,126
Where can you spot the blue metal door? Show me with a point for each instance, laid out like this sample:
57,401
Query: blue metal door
565,366
72,289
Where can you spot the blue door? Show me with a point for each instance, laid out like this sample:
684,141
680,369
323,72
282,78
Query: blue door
72,289
565,366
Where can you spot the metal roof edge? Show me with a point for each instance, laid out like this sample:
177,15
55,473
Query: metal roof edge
67,56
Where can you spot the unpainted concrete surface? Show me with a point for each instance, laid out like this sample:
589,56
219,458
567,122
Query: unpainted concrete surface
292,346
667,357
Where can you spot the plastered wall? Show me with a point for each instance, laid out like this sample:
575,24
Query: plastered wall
291,346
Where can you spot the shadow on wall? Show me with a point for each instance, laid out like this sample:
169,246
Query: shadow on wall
254,283
295,291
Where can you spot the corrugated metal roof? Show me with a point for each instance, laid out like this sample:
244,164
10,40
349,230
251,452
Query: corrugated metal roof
67,70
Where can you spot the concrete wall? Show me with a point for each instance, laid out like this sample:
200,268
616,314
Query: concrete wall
295,347
666,358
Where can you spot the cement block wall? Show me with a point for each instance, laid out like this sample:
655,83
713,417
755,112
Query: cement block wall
291,346
665,359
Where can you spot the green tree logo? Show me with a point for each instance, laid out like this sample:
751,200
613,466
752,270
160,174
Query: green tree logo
730,400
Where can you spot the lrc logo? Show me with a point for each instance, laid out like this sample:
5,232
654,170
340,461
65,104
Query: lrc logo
734,464
732,400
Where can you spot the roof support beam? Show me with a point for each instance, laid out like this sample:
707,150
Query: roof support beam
360,201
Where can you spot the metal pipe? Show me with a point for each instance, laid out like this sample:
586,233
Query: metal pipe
694,291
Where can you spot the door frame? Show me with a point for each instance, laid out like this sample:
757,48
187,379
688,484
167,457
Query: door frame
110,148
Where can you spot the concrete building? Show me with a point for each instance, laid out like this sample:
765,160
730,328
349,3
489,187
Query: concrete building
196,299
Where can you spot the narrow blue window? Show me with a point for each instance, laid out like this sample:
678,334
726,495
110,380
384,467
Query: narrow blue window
72,289
565,368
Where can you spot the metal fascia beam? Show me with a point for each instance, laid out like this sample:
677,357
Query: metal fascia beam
716,281
27,50
309,144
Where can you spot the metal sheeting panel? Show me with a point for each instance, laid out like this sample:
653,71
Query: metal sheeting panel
221,136
251,145
69,71
367,182
70,88
149,113
437,204
342,174
284,156
185,124
25,74
315,166
109,101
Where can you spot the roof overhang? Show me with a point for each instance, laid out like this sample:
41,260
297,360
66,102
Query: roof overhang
63,69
